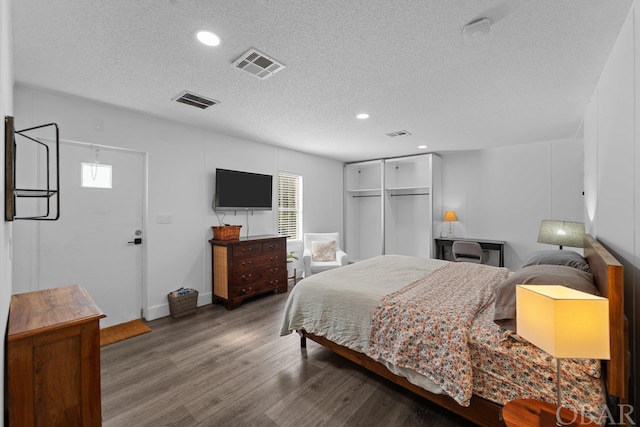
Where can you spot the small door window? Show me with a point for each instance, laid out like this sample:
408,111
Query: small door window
96,175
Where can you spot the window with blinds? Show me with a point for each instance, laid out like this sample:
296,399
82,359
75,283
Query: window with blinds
290,205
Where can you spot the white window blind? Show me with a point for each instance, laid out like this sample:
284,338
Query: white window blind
290,205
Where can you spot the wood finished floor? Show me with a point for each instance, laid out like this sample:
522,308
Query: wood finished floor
231,368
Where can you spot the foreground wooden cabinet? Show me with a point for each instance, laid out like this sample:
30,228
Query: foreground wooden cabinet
54,359
248,267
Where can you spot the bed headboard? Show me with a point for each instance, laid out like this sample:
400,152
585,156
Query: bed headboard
609,277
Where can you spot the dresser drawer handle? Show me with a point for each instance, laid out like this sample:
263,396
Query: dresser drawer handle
274,246
249,262
275,269
247,249
274,282
246,291
274,258
247,276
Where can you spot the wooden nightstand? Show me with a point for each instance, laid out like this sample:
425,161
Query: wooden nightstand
527,413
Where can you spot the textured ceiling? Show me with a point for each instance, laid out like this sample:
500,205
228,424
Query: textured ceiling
405,62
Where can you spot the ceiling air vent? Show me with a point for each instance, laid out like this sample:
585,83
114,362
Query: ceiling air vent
194,100
399,133
258,64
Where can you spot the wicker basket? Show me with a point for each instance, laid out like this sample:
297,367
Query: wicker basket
183,305
226,232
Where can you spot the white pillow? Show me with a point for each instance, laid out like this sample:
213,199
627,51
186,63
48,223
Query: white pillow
323,250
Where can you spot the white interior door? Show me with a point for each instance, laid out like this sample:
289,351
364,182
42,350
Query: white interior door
90,244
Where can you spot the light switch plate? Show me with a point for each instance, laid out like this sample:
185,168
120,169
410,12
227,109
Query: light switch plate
164,218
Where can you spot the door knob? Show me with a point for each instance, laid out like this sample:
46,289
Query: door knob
136,241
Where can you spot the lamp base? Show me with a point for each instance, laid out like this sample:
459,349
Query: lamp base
550,418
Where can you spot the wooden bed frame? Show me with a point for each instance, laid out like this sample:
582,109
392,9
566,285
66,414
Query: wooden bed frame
608,274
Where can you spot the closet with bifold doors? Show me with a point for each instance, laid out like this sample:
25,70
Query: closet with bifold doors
392,206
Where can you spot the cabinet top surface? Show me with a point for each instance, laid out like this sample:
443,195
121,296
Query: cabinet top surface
35,312
248,239
465,239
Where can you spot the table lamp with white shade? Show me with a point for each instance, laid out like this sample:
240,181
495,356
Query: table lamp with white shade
564,322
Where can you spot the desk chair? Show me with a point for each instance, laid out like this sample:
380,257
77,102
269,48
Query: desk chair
469,252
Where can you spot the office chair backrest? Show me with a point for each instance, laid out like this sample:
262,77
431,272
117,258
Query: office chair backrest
467,252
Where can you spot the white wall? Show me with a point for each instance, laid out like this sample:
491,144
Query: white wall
504,193
181,166
6,109
612,165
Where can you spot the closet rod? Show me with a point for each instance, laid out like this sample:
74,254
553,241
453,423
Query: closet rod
373,195
414,194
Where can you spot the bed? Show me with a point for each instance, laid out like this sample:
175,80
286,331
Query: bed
351,311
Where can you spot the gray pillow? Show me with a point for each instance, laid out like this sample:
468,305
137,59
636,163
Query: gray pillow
505,305
557,257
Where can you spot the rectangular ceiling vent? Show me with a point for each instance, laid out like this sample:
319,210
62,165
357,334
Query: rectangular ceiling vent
399,133
194,100
258,64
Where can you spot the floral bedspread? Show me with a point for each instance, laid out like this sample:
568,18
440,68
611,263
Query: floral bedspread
507,367
426,325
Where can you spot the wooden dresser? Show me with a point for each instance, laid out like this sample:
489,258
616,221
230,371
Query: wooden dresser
247,267
53,352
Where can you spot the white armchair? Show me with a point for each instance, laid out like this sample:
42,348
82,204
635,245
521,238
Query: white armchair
318,254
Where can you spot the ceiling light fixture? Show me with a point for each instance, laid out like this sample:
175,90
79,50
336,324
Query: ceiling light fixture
422,147
362,116
208,38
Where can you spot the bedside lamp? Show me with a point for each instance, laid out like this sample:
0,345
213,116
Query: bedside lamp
564,322
562,233
450,216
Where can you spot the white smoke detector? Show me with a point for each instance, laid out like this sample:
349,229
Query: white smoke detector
478,28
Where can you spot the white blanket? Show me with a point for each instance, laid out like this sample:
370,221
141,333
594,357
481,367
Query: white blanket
339,304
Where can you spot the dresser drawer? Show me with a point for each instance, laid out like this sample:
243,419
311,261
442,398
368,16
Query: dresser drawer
275,270
241,265
258,287
275,246
246,249
243,277
245,264
275,281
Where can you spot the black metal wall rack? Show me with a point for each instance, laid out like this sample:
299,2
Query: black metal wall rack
51,185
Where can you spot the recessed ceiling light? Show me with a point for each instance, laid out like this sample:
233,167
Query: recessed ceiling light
362,116
208,38
422,147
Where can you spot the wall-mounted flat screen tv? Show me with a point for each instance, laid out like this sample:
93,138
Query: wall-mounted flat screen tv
236,190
